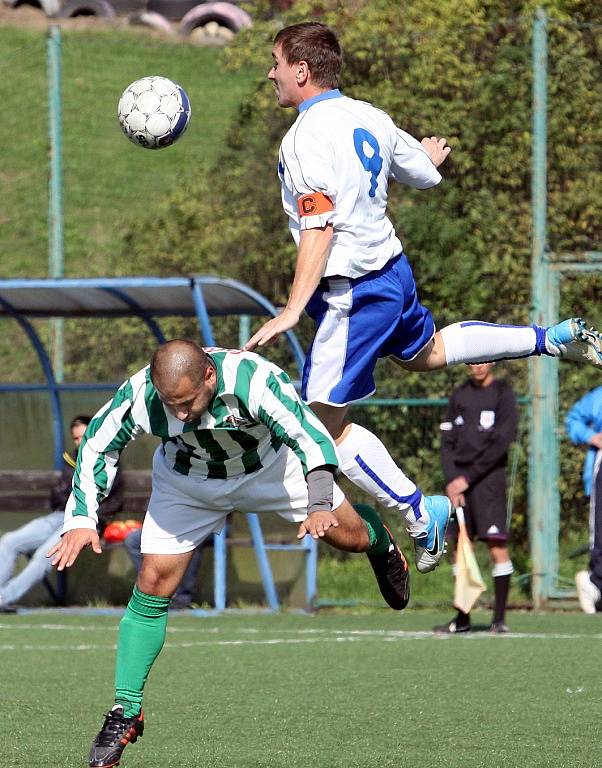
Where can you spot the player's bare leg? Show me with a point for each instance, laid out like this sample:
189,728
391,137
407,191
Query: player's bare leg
431,358
368,464
141,637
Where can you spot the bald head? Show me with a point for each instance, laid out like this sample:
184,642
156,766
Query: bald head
177,360
184,377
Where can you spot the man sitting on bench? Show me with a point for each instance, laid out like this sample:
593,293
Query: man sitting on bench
36,537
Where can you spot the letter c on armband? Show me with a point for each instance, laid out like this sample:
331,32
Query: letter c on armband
313,204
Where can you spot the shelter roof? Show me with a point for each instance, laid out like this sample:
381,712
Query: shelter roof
118,296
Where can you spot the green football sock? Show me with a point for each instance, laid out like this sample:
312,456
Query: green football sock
141,637
379,538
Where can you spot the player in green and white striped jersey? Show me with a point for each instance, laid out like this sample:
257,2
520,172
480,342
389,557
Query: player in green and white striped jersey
253,411
235,436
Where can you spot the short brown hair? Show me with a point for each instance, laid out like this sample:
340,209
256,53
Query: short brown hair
316,44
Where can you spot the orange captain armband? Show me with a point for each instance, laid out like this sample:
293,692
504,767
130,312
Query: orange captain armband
314,203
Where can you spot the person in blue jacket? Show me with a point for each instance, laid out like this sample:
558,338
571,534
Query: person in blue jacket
584,427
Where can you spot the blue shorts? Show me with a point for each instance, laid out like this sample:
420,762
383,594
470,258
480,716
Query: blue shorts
358,321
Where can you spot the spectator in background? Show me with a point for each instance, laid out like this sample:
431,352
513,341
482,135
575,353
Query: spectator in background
475,438
36,537
584,427
184,594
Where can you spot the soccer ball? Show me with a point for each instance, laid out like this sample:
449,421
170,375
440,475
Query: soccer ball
153,112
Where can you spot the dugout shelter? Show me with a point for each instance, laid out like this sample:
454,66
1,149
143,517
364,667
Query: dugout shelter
150,299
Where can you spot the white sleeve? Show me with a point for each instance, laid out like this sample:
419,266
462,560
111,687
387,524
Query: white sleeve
411,164
110,430
310,164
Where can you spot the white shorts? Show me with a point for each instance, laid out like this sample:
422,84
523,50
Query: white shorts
183,510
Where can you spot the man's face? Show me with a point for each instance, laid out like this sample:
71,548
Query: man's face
77,433
187,401
481,372
284,76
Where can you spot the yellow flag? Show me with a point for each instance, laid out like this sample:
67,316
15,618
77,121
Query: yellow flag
469,582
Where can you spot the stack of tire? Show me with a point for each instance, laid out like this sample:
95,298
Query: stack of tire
209,22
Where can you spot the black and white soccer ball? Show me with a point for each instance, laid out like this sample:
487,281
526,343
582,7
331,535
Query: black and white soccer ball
153,112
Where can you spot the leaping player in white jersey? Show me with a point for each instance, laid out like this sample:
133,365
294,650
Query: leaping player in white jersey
354,280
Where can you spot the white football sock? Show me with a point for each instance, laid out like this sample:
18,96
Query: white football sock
368,464
473,341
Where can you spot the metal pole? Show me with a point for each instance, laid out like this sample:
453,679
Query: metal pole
244,330
269,587
55,190
540,471
311,572
202,314
220,566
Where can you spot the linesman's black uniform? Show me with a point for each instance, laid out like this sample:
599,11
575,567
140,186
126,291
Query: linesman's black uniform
475,437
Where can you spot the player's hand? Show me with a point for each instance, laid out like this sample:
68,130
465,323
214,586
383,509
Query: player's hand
317,523
65,553
269,331
596,440
436,149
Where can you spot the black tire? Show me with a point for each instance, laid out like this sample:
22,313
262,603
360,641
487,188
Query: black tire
101,8
225,14
50,7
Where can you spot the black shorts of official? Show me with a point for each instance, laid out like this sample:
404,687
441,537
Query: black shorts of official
485,509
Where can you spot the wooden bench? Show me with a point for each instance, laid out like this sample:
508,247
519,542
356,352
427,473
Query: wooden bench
27,490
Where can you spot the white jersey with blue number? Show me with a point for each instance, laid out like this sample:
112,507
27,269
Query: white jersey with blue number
348,150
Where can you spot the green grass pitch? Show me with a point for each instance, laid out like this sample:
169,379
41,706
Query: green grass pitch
333,690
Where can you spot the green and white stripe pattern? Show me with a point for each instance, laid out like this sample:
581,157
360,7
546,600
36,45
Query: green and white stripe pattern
254,412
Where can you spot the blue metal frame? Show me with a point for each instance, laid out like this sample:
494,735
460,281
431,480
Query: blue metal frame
118,287
128,301
51,385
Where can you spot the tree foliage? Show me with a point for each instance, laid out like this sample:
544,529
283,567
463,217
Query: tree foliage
447,67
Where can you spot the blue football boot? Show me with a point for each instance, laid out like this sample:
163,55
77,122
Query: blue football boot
575,341
430,546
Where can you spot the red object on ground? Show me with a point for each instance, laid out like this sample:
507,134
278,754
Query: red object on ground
117,531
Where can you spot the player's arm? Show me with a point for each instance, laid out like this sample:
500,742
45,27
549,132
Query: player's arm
293,423
449,439
110,430
312,255
320,517
455,482
415,163
312,183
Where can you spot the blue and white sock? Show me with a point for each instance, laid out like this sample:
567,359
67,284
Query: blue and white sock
473,341
368,464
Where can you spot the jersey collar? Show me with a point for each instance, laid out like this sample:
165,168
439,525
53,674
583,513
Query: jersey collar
334,94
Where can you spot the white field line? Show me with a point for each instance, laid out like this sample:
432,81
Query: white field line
302,636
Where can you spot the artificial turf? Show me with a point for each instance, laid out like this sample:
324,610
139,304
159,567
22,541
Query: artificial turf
325,690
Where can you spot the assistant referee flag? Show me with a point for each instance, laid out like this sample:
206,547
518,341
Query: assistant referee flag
469,582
